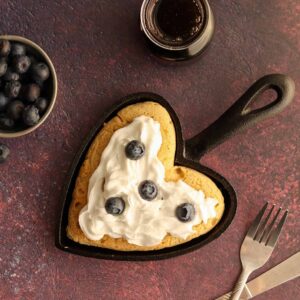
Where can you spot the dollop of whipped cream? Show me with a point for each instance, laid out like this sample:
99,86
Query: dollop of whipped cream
143,223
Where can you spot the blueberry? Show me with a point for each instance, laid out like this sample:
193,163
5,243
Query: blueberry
6,122
3,102
3,66
148,190
40,72
41,104
15,109
4,153
134,150
30,115
4,47
114,205
11,75
31,92
185,212
21,64
12,89
18,49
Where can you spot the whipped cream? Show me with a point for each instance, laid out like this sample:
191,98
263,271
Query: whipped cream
143,223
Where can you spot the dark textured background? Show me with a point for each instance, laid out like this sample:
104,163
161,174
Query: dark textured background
100,56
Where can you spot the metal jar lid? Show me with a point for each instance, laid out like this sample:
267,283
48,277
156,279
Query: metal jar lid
176,48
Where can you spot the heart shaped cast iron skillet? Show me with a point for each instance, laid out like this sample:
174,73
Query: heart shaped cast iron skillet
188,153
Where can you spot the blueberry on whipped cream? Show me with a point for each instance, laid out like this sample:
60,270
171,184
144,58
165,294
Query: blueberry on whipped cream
185,212
115,205
148,190
134,150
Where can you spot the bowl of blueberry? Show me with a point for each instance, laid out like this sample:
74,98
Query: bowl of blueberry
28,86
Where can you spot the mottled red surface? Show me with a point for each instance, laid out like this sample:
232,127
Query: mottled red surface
100,56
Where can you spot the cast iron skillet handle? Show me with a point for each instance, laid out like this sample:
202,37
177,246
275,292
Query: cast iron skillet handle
240,115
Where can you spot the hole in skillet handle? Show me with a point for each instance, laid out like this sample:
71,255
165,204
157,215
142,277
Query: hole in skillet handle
265,98
241,114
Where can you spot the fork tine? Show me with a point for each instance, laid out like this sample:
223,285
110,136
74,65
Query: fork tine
262,226
276,232
268,230
254,226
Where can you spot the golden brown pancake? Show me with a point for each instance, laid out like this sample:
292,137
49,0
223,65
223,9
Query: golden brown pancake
173,173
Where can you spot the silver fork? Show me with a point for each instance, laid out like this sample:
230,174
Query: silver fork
258,246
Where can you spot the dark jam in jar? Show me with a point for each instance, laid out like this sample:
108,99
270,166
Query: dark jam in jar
177,29
177,21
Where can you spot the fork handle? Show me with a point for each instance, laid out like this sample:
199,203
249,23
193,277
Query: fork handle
239,286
